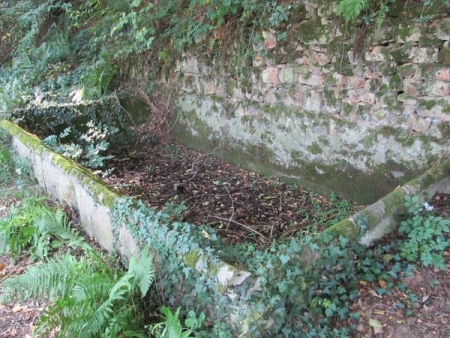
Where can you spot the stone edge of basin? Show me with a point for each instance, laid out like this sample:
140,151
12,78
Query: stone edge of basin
379,218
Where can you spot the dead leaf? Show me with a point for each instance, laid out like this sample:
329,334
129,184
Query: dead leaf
382,283
2,269
18,308
378,312
374,293
206,235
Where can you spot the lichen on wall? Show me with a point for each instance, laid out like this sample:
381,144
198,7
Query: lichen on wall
308,108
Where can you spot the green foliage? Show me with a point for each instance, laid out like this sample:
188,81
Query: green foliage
90,146
338,210
351,9
62,46
88,299
171,326
6,163
374,11
304,285
37,229
427,234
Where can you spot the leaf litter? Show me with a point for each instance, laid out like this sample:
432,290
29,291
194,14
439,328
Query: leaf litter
241,205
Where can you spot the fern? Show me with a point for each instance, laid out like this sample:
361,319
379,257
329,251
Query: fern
88,300
171,324
37,229
51,280
17,228
51,225
143,271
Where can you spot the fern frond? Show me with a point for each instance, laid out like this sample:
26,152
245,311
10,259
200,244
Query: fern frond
54,224
173,327
143,271
50,280
99,320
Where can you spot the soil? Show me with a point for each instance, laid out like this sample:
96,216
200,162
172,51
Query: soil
387,316
242,206
17,319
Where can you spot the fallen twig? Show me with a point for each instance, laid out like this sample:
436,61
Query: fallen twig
198,157
242,225
232,206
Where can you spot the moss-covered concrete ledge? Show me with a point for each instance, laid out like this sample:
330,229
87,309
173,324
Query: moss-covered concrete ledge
76,187
380,218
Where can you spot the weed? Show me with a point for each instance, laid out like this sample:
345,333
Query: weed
427,234
171,325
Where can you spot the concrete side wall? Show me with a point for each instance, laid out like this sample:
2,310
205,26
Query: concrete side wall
70,190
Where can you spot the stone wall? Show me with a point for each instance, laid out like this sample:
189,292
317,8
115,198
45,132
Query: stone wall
307,110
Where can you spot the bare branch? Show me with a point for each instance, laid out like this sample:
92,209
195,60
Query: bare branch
242,225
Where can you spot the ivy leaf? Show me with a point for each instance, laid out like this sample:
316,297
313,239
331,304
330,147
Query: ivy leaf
136,3
284,259
329,312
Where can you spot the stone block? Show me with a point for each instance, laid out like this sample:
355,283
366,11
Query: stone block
413,36
372,85
270,75
355,82
378,54
313,101
381,115
406,99
270,41
209,88
421,125
270,97
388,68
360,97
423,54
335,79
443,74
190,65
439,88
413,86
407,70
314,80
287,75
322,59
371,74
367,98
402,54
408,110
441,27
444,55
